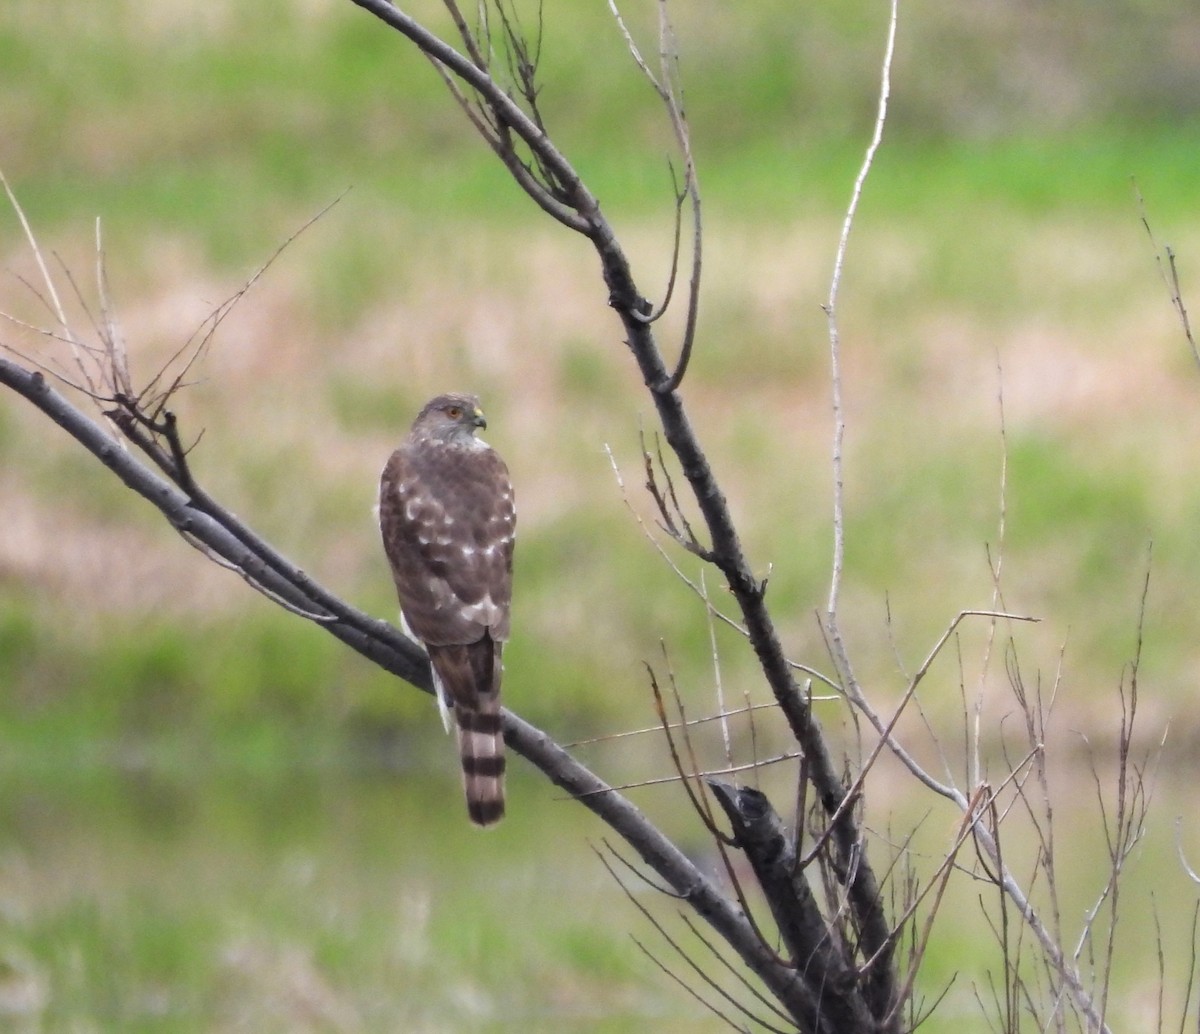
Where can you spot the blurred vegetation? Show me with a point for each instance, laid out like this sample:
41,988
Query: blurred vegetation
214,816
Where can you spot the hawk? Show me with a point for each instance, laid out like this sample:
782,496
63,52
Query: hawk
448,523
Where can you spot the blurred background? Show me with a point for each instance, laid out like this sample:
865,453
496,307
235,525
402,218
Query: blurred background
214,817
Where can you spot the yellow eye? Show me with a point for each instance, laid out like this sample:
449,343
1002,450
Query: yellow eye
454,412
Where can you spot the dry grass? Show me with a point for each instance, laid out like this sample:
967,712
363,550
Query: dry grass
1089,360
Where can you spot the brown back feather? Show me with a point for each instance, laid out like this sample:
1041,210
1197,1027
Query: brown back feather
447,518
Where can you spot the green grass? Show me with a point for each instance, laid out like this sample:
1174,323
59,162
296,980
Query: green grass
225,137
328,896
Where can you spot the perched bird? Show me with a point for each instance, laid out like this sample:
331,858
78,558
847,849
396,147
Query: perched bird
448,522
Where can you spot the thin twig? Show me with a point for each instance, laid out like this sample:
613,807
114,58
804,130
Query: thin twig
669,65
995,569
686,958
1169,271
735,973
151,397
940,879
634,51
1190,872
680,778
699,799
830,307
37,255
656,314
674,725
716,663
657,888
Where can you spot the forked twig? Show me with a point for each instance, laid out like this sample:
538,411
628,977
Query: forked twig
940,879
674,520
670,91
718,614
699,801
885,729
152,399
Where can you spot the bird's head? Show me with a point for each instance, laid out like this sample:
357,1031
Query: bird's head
452,418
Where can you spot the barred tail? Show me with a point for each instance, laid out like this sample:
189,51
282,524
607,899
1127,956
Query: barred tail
481,747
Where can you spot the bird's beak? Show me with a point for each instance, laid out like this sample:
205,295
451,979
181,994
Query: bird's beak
478,419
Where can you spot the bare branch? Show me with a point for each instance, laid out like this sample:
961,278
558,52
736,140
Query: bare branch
839,419
566,199
749,766
716,664
1169,272
57,307
672,95
697,797
720,717
760,833
204,521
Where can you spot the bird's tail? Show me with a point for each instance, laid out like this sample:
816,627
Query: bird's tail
471,676
481,748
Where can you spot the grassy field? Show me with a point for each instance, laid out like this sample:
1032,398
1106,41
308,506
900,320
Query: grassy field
214,818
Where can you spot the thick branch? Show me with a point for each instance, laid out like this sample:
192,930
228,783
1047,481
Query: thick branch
728,555
510,114
760,833
221,533
202,521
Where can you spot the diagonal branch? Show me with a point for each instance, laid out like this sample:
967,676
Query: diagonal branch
202,520
567,200
728,554
813,948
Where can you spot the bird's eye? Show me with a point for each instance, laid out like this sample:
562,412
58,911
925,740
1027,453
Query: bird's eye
454,412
